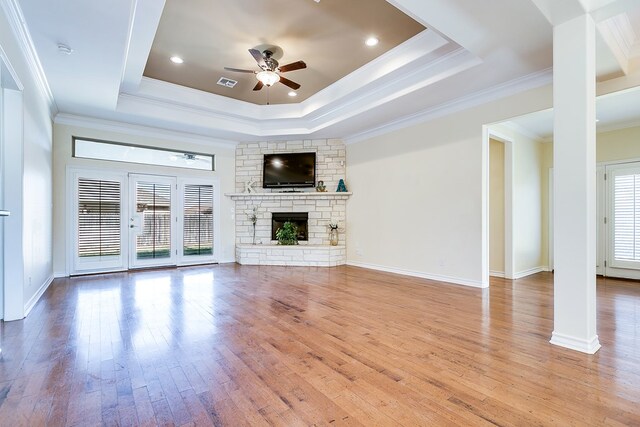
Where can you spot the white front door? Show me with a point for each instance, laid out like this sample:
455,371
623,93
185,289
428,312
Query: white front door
153,221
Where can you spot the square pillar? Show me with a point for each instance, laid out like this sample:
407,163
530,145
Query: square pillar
574,153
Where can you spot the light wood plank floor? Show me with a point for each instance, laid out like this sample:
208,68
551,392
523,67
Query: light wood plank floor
232,345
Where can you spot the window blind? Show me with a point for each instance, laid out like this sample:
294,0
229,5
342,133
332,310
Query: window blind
198,220
626,212
153,202
99,221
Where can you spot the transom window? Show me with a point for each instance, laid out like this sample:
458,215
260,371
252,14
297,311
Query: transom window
118,152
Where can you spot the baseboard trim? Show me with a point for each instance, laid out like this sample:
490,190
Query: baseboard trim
529,272
36,297
578,344
437,277
60,275
496,274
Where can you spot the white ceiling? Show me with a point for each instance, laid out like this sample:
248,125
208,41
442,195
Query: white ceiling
470,50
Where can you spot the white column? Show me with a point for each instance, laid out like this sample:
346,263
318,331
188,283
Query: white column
574,148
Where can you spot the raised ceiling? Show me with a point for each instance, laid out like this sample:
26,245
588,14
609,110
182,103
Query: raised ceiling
328,35
463,58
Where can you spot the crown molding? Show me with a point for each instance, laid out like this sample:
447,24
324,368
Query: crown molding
517,128
139,130
424,61
19,28
512,87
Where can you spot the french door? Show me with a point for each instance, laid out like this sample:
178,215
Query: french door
122,221
99,223
622,221
153,221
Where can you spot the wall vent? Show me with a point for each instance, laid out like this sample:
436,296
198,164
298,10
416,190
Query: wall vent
227,82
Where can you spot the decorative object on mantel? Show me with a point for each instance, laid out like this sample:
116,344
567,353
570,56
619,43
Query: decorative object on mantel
254,218
341,187
287,234
333,233
321,188
248,186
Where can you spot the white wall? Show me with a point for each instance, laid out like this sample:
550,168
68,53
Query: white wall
62,155
36,210
418,205
496,207
620,144
529,212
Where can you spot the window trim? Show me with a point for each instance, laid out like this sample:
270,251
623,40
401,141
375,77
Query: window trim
148,147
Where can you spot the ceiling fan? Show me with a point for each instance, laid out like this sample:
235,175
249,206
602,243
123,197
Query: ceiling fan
270,70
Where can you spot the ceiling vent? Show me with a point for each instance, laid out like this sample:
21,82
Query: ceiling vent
227,82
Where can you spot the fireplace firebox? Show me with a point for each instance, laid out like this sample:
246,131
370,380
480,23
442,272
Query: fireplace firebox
300,219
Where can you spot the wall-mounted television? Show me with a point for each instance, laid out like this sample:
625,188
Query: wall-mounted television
289,170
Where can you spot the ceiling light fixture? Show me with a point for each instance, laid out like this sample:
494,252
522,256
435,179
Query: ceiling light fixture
268,78
293,93
176,60
371,41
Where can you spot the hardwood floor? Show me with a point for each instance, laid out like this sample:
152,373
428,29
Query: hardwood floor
232,345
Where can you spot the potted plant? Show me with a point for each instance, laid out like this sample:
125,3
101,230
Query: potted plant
287,234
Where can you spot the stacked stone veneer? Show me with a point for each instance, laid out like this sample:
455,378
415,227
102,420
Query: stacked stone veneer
330,161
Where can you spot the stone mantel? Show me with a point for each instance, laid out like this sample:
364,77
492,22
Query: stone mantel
309,195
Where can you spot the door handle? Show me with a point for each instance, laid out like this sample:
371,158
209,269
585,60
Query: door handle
4,213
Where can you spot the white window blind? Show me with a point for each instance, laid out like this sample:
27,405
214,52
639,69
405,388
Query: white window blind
626,216
198,220
98,218
153,203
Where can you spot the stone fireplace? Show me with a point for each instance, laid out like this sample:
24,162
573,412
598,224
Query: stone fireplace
300,219
312,211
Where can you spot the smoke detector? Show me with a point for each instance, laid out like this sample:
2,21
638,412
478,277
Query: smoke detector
63,48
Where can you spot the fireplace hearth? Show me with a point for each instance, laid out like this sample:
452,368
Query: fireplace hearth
300,219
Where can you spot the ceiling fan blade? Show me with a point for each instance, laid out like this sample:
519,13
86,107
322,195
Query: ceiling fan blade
293,66
257,55
287,82
258,86
238,70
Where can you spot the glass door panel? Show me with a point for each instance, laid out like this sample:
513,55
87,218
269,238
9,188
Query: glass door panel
98,222
197,234
152,222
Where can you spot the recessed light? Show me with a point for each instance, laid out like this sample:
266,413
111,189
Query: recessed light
293,93
597,120
371,41
176,60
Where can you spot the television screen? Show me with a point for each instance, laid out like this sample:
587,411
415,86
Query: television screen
289,170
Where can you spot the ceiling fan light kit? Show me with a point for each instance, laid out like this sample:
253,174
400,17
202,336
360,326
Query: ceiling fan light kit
270,70
268,78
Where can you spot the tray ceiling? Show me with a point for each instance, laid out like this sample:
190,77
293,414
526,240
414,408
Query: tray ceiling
328,35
